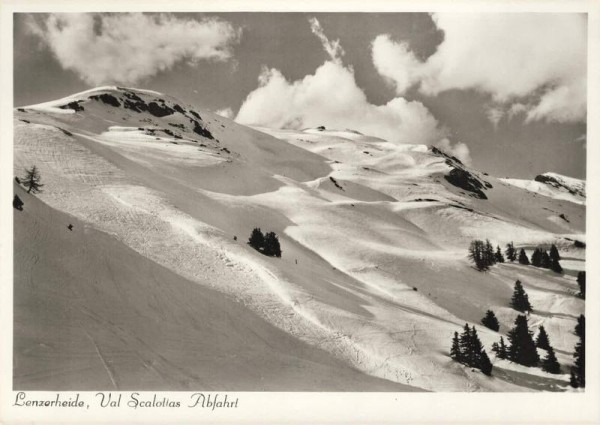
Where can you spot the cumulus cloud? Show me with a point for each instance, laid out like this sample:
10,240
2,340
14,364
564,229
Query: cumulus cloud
537,59
459,150
396,62
127,48
331,97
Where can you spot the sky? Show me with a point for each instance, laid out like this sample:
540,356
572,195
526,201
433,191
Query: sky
506,93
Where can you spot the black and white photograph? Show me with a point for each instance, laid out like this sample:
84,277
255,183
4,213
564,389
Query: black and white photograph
212,202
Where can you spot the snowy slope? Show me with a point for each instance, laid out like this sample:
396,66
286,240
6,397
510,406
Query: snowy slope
374,235
128,323
554,186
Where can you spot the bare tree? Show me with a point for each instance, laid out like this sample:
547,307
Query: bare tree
32,180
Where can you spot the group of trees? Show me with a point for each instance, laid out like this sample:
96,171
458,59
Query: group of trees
468,350
522,348
541,258
267,244
483,254
578,369
511,254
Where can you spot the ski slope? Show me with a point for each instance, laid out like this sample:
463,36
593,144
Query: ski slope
374,235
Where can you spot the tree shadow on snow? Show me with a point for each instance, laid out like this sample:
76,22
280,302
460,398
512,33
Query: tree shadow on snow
535,382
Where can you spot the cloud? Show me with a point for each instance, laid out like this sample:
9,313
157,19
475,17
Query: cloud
127,48
395,62
332,98
459,150
538,60
333,48
225,112
494,114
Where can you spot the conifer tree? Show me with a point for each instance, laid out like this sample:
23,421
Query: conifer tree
578,369
523,257
484,363
498,256
272,247
542,340
455,353
497,350
464,342
536,258
580,326
490,321
488,253
468,350
32,180
520,300
257,239
502,349
473,357
550,363
546,262
522,348
555,266
554,255
477,255
581,283
511,253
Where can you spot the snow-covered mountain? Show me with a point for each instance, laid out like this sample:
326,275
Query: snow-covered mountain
159,288
554,186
